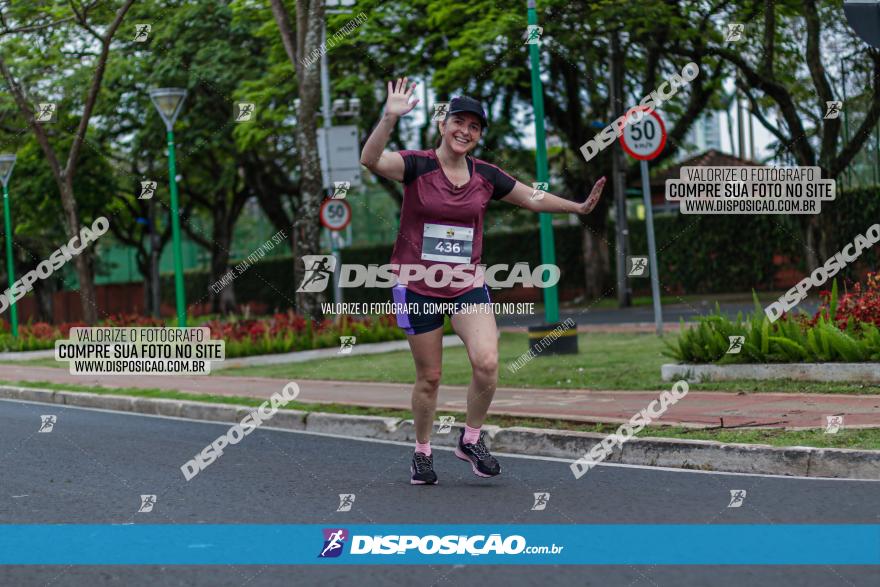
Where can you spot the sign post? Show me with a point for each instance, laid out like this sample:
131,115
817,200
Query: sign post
335,216
644,140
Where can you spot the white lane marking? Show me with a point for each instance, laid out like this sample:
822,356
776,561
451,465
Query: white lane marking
506,455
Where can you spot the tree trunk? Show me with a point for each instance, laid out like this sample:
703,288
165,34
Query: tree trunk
152,302
148,289
597,264
44,296
811,258
85,270
815,243
306,230
306,227
222,302
84,262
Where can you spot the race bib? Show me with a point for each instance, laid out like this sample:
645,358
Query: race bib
449,244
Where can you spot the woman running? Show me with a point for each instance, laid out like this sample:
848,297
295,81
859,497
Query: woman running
445,196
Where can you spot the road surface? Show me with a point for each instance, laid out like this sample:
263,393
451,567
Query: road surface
94,465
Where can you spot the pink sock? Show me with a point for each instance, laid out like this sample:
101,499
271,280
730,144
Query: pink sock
471,435
424,448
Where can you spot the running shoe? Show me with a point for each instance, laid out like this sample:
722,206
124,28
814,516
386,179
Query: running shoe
483,463
422,470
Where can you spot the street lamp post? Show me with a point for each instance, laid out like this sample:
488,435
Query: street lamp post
545,219
168,102
7,162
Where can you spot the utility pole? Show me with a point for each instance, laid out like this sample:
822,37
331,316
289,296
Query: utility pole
845,120
618,173
332,7
740,123
751,134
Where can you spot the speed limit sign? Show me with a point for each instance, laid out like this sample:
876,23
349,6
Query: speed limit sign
646,138
335,214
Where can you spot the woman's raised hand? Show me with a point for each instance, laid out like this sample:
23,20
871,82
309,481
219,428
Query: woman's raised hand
593,199
398,102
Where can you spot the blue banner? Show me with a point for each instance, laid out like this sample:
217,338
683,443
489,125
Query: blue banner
607,544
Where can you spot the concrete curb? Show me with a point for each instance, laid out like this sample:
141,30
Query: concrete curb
371,348
861,372
704,455
27,355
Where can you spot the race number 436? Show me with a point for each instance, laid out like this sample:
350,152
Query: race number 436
448,244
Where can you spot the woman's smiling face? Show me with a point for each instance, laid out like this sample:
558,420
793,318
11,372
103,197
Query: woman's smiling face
461,131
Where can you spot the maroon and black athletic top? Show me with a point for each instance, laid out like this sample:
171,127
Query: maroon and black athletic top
441,223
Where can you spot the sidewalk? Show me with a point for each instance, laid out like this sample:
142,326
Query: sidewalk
697,409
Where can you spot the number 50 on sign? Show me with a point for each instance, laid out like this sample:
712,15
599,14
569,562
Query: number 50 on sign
335,214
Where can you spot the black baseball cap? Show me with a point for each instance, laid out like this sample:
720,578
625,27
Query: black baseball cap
465,104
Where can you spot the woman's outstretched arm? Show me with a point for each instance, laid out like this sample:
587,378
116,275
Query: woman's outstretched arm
539,201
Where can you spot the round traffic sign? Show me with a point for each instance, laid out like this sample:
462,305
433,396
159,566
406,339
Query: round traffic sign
646,138
335,214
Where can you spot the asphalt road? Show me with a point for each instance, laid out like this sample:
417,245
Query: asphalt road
93,467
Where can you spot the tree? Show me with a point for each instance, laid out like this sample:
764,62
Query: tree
186,51
271,161
53,33
782,63
34,199
306,229
189,51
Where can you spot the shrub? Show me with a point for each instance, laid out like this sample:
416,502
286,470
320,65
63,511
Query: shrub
31,337
789,339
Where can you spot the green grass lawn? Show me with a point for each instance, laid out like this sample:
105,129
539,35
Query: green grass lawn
605,362
847,438
37,363
669,300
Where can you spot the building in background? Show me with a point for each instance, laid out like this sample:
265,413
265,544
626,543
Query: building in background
704,135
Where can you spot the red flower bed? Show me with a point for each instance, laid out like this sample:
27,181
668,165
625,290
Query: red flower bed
251,336
40,331
291,332
860,304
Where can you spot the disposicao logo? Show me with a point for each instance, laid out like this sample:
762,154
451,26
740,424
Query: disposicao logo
334,541
472,545
432,544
